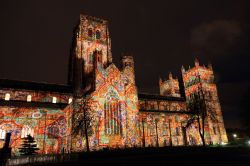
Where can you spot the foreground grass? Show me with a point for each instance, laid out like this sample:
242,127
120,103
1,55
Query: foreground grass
165,156
201,156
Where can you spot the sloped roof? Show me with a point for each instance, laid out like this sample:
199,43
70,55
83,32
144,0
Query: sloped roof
16,84
159,97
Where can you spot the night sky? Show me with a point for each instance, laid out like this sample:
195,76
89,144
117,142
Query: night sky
35,40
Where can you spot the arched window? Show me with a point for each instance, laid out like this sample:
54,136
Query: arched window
53,131
177,131
164,127
91,57
214,130
2,134
54,100
26,130
97,34
29,98
90,32
70,100
112,117
174,107
7,96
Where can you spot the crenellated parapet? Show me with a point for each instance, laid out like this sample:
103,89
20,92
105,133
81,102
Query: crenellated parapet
199,84
169,87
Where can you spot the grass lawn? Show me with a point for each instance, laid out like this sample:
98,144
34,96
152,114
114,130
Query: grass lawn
165,156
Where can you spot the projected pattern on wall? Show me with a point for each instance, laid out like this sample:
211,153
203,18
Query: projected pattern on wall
120,116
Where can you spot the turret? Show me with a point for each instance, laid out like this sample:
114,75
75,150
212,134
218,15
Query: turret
128,67
210,67
196,62
169,87
127,61
160,81
170,76
182,69
110,59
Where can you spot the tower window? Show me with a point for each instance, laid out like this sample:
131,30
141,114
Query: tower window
29,98
70,100
54,100
53,131
91,58
214,130
177,131
7,97
2,134
90,32
98,34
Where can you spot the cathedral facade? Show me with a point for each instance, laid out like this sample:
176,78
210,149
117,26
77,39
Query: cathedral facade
117,115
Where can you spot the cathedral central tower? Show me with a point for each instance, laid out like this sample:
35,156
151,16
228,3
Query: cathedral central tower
91,35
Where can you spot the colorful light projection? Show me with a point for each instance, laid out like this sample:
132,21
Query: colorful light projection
114,110
119,117
48,126
200,80
51,127
169,87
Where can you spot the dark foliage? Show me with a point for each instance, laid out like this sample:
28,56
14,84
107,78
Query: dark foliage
83,120
199,104
29,146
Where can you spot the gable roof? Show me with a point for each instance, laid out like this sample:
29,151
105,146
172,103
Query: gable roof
27,85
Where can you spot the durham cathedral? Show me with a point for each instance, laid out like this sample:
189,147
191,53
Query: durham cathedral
103,97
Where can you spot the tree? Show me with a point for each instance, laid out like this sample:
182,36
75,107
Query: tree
83,118
29,146
197,105
201,105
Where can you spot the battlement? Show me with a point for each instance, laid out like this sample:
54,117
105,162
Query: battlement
169,87
127,60
84,17
197,66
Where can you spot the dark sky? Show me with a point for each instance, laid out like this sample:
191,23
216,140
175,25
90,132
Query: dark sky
35,39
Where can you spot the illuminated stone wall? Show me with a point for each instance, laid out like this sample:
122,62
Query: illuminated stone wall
49,123
169,87
169,129
120,117
114,108
199,80
91,35
171,116
36,96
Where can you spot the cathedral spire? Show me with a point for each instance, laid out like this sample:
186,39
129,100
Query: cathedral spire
210,66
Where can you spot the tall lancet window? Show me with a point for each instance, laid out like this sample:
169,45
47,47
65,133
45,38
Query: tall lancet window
112,116
98,34
90,32
2,134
